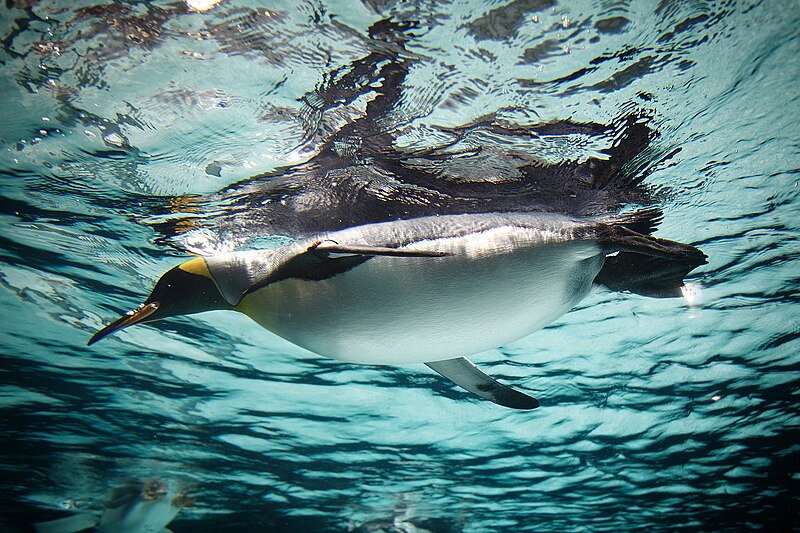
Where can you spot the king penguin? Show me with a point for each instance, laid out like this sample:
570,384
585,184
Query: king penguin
146,507
428,290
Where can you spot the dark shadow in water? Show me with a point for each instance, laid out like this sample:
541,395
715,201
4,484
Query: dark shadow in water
356,173
351,168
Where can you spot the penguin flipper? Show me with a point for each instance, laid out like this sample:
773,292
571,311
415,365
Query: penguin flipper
68,524
323,260
333,249
466,375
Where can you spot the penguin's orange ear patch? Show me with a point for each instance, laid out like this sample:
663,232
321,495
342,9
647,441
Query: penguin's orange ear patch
196,266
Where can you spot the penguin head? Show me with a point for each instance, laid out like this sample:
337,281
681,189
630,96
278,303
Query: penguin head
183,290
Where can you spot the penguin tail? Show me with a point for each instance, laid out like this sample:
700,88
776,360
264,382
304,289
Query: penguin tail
639,263
655,277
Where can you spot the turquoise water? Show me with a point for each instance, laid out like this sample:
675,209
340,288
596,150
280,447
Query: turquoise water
130,134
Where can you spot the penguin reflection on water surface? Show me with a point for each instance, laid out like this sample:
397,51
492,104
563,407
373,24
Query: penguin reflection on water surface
427,290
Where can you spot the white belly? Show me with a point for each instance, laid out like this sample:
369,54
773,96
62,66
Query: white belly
392,310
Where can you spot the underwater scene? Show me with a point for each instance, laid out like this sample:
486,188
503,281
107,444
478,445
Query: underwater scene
521,266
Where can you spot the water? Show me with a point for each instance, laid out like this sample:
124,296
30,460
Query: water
122,123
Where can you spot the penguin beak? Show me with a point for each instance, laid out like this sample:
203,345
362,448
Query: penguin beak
130,318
